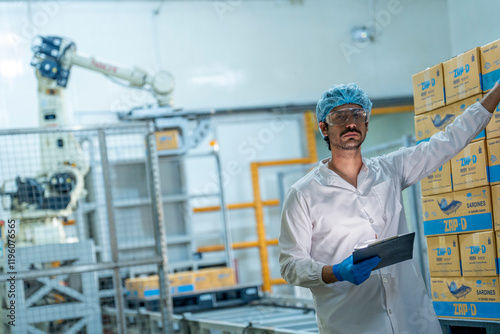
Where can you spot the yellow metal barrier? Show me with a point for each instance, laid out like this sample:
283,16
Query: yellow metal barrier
234,206
236,245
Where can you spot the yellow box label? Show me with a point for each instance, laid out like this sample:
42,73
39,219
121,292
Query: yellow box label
444,256
428,89
167,140
495,206
469,168
437,120
493,146
438,182
465,289
461,76
490,64
478,254
493,127
457,212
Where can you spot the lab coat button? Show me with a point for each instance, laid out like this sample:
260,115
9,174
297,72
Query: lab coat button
358,192
390,311
371,220
385,280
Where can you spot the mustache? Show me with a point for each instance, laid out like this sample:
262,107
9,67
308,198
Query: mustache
350,130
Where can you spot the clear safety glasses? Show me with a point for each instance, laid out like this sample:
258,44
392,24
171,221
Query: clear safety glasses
342,116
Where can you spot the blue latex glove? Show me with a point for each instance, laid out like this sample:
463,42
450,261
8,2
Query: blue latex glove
355,273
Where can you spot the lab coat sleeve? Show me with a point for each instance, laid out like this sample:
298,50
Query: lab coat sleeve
417,162
296,265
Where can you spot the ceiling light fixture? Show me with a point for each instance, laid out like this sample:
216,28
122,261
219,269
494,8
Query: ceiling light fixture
363,34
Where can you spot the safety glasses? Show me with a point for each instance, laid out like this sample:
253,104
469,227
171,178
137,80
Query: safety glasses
342,116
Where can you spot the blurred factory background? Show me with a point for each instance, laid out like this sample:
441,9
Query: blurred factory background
146,147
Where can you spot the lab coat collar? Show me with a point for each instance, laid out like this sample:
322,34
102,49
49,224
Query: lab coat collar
328,177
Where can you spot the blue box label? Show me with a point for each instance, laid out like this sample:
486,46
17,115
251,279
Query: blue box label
182,288
459,309
494,172
479,222
488,80
152,293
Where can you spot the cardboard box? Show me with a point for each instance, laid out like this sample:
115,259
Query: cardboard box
223,277
438,182
436,121
493,127
478,254
462,76
497,240
182,282
495,206
490,64
462,211
167,140
143,287
220,277
203,280
149,287
469,168
465,289
493,146
444,255
428,89
466,297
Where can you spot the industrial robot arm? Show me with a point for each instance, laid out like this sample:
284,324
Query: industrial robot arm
54,56
54,192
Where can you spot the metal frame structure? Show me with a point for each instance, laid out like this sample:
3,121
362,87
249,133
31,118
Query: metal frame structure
80,258
86,304
226,231
248,319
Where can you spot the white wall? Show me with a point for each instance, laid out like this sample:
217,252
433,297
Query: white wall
472,23
244,53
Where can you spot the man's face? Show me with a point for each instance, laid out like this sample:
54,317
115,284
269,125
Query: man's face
348,136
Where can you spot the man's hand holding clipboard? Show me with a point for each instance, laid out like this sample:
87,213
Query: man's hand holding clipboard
390,250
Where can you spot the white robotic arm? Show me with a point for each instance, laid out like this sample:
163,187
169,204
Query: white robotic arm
160,85
43,201
53,57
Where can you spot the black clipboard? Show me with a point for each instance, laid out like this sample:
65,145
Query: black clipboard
390,250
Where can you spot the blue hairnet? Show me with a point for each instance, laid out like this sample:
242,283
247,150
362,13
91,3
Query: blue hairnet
339,95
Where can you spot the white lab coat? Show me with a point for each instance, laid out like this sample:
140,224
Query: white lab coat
324,217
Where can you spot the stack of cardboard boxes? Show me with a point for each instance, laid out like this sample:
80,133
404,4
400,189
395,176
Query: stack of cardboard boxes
148,288
461,200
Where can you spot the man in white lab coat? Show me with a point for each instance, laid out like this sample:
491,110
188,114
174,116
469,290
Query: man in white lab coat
349,199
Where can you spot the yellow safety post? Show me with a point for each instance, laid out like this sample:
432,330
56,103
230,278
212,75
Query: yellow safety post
309,122
261,229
